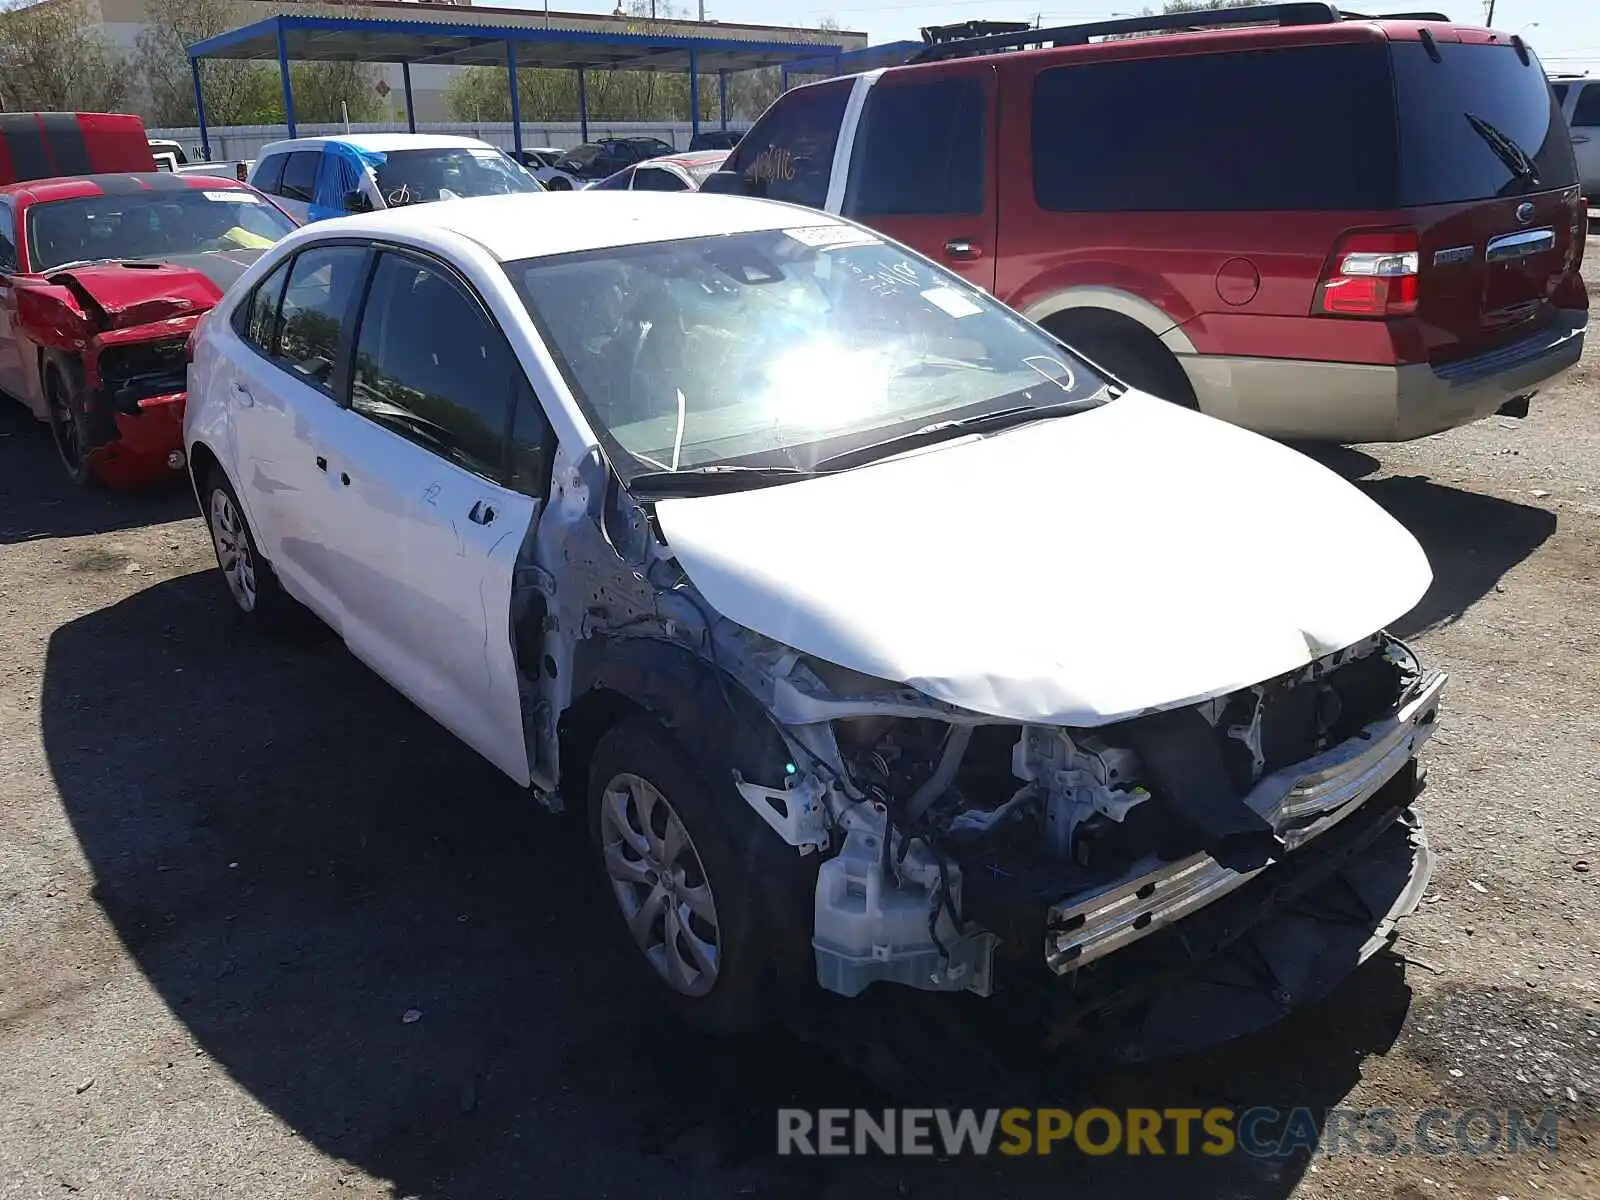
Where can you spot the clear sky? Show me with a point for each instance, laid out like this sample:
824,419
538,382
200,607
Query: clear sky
1565,33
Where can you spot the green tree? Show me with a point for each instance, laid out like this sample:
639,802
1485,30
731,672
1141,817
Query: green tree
53,58
320,88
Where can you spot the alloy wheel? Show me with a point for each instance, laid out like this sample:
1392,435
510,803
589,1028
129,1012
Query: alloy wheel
233,550
660,884
63,423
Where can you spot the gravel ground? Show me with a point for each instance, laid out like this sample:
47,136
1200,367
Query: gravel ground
230,870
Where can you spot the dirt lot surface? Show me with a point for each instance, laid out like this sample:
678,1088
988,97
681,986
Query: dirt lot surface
231,870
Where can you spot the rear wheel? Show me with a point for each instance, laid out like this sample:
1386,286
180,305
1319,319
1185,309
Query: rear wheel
1128,350
255,590
69,425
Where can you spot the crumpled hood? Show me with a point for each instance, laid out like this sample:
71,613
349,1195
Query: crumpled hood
123,294
1076,571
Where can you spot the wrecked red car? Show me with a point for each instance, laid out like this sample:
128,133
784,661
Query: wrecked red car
102,279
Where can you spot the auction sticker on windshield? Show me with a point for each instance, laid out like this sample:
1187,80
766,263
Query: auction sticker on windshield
239,197
822,236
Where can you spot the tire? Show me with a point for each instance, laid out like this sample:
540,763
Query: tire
257,596
723,865
1132,354
69,424
559,185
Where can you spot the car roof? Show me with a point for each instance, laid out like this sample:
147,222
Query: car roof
538,226
73,187
378,143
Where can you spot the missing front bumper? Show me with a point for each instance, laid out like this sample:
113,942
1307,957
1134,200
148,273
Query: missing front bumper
1301,805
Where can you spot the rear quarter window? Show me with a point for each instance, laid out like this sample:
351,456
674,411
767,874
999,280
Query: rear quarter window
269,175
1452,113
788,155
300,175
1301,128
1587,110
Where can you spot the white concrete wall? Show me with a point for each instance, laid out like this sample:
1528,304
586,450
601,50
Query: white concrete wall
243,141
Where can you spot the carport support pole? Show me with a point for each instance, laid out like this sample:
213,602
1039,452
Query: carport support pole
722,96
694,91
583,108
283,73
200,109
411,111
516,100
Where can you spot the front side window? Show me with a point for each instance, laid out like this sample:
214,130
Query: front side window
300,175
157,224
431,366
453,172
788,155
920,150
316,305
620,182
8,245
782,348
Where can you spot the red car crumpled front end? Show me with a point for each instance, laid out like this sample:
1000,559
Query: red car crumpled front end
136,382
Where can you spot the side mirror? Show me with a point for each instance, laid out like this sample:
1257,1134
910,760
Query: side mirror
357,202
734,183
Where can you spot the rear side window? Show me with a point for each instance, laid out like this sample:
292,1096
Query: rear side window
1587,111
1560,90
657,179
269,175
256,320
788,155
316,305
300,175
1218,133
620,182
8,245
919,149
1468,122
431,367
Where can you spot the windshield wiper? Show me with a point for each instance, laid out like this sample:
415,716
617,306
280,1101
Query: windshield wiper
711,479
1506,150
1001,418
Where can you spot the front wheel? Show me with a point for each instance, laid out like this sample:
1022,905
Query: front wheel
69,426
684,863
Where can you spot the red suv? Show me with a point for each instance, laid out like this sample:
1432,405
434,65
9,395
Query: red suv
1313,225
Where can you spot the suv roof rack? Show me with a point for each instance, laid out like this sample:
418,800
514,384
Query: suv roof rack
1296,12
935,35
1399,16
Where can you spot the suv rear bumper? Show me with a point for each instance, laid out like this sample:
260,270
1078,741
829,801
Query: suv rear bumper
1362,402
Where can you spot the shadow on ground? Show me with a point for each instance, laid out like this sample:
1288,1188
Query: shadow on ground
295,857
1471,540
36,501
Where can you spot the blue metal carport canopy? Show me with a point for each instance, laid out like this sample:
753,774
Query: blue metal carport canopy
445,42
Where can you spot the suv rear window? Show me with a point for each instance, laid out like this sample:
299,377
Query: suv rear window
1218,132
1457,116
788,155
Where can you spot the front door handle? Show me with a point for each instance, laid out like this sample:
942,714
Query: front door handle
963,248
242,395
1579,141
482,513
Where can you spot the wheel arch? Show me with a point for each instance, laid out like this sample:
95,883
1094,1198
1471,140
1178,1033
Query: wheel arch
1134,308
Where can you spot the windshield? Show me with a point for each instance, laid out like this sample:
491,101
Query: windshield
781,348
449,173
154,224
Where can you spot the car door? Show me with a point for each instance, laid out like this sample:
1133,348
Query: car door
431,528
12,379
281,394
921,165
1586,139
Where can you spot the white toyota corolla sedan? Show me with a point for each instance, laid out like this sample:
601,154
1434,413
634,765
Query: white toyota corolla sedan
881,637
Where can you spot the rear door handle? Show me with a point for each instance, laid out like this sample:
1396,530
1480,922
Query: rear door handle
964,248
242,395
482,513
322,463
1579,139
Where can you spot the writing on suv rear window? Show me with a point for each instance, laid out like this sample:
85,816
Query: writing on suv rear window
789,153
1215,133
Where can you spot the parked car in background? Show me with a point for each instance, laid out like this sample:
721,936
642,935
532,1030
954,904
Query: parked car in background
594,161
715,139
669,173
1579,100
44,145
236,168
542,161
1397,258
102,279
319,177
169,155
548,468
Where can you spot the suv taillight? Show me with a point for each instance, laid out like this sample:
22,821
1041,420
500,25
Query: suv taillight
1371,275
